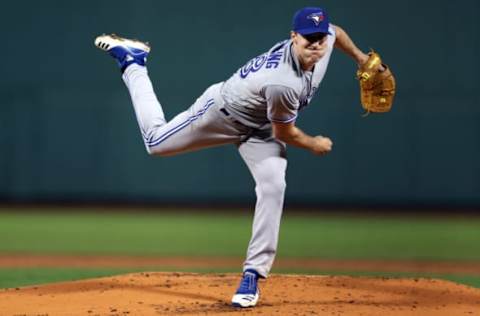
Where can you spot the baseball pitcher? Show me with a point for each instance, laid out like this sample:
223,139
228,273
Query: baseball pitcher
256,110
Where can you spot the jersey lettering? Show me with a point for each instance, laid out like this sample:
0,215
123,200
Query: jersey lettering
272,60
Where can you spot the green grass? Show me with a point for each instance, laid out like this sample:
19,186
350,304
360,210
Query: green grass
381,238
130,234
16,277
77,232
226,235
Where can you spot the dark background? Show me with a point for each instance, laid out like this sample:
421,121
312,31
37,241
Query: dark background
68,131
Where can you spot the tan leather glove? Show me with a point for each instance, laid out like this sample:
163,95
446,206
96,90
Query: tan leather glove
377,87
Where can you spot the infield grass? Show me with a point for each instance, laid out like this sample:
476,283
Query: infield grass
78,231
170,234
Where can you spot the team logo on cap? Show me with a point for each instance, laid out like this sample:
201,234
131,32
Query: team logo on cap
316,17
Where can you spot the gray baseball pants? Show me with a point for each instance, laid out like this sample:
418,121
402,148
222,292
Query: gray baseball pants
206,124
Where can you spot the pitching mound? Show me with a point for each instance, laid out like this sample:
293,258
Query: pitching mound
200,294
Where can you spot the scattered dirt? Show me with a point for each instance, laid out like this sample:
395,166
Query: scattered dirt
209,294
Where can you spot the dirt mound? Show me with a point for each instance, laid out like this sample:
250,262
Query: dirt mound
209,294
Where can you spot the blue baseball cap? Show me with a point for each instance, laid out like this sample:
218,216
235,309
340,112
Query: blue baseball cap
311,20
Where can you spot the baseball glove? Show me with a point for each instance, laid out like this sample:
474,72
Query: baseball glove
377,88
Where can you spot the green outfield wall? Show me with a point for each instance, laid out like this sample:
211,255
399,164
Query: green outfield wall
68,131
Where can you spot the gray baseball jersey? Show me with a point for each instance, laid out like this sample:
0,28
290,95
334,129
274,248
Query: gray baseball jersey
273,87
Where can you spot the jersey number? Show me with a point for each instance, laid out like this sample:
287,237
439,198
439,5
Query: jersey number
270,60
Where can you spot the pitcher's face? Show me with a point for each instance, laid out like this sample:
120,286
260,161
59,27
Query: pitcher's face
309,48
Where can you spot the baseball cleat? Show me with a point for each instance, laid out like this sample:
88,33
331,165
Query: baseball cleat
247,294
125,51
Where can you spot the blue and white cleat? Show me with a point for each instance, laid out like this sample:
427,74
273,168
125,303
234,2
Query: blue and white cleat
247,294
125,51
